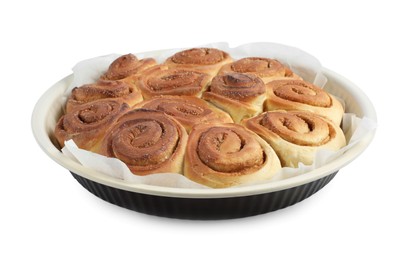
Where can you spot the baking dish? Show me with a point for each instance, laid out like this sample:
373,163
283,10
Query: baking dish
189,203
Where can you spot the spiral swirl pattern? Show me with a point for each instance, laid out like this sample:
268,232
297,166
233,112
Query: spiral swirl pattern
265,68
87,123
207,60
227,154
296,135
125,66
241,95
103,89
237,86
148,141
162,80
299,128
302,95
188,110
229,150
199,56
301,91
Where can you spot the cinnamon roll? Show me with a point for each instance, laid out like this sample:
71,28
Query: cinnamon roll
86,124
102,89
189,111
163,80
225,155
302,95
296,136
265,68
241,95
127,66
208,60
147,141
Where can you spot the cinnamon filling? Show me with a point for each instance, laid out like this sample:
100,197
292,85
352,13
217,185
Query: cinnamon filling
94,113
91,116
144,141
199,56
100,90
175,79
259,66
238,86
187,110
299,128
229,150
302,92
122,67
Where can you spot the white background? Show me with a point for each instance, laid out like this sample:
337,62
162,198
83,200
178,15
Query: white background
46,214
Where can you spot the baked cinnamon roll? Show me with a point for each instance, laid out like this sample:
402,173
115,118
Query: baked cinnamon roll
177,81
189,111
86,124
208,60
127,66
225,155
147,141
103,89
302,95
241,95
296,136
265,68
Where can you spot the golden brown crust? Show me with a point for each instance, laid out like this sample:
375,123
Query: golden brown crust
224,155
265,68
296,136
209,60
187,110
86,124
103,89
201,91
147,141
241,95
126,66
302,95
163,80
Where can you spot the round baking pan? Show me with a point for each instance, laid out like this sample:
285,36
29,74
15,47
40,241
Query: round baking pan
187,203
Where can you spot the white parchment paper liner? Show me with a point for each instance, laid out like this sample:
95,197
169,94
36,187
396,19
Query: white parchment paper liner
303,64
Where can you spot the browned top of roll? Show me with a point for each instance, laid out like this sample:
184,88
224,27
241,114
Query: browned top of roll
237,86
262,67
88,122
228,148
199,56
300,91
126,65
163,80
102,89
298,127
144,139
188,110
